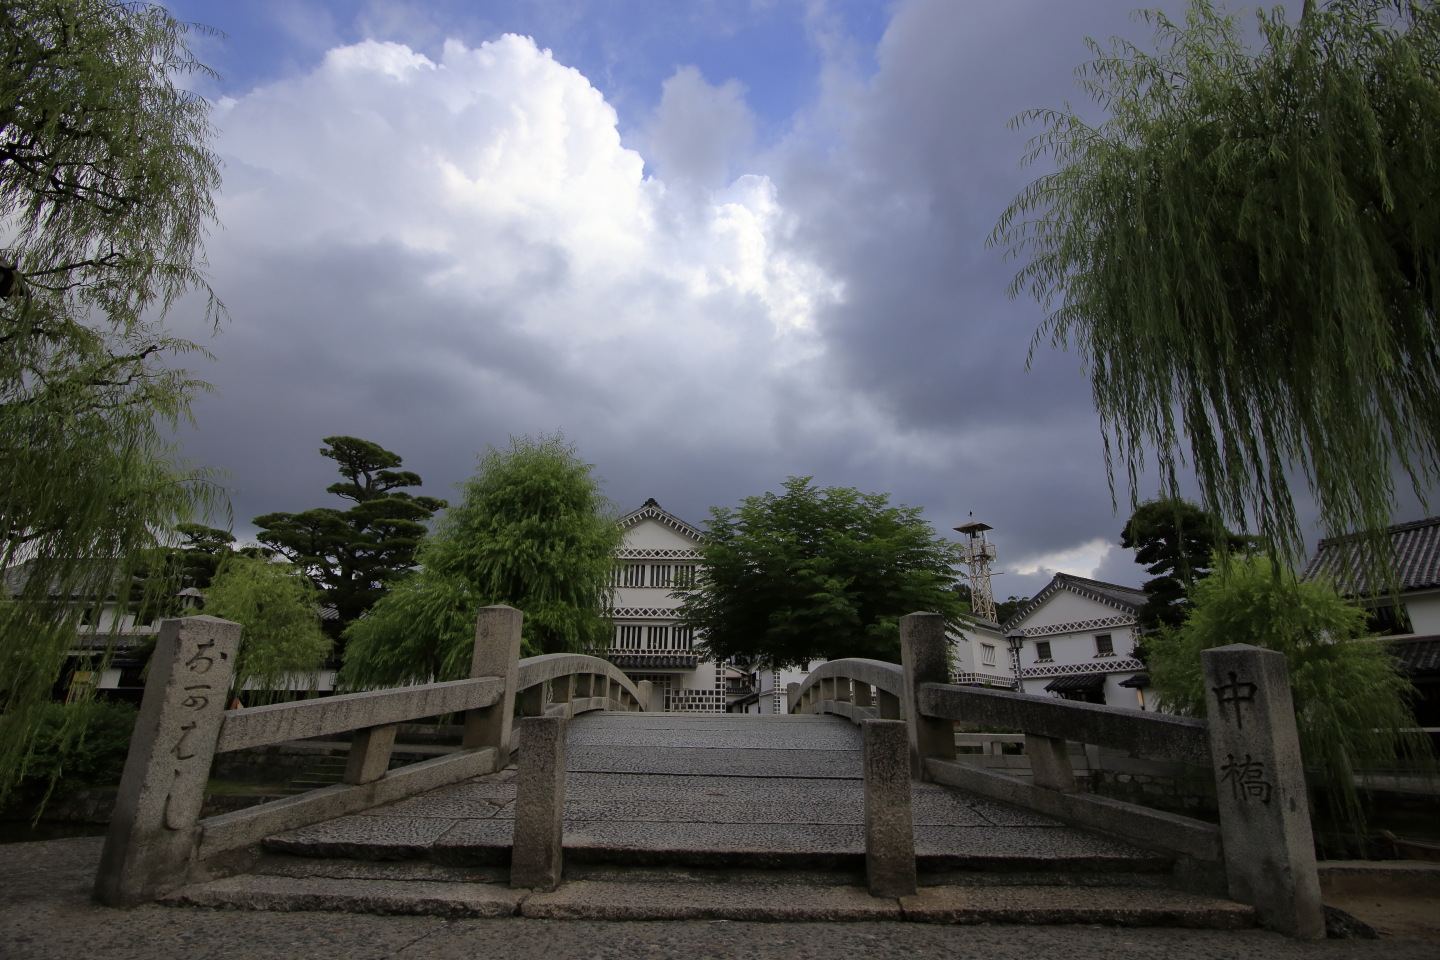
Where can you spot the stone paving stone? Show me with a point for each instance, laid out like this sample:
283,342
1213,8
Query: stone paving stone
815,846
742,763
431,898
734,789
478,842
447,804
601,900
1121,906
363,837
960,847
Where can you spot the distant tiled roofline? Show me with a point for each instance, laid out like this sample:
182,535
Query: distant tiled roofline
1417,558
1126,599
650,510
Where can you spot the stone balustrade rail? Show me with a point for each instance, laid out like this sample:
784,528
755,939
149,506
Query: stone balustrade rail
1260,854
157,840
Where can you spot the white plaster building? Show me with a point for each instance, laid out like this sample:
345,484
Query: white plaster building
1077,641
980,656
660,555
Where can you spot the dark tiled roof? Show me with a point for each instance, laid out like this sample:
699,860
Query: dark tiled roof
1418,657
1137,682
1087,681
1417,558
1126,599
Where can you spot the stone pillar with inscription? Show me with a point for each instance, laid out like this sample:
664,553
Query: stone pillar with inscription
1264,812
153,831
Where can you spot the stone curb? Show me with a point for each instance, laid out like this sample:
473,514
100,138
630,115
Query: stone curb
621,901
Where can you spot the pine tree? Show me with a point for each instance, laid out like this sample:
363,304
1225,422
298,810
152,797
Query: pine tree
1176,542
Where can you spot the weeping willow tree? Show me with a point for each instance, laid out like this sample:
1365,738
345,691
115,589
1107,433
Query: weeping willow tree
279,608
105,181
1351,707
533,530
1245,252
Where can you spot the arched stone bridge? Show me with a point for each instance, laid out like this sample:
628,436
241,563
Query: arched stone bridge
851,807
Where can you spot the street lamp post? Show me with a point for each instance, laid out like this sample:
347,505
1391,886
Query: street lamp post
1017,640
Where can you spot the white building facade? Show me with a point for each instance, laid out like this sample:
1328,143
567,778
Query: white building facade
659,557
1076,639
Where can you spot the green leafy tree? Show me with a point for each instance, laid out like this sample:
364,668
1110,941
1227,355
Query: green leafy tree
279,610
1176,542
1351,706
533,530
1247,254
1010,606
105,192
355,555
817,574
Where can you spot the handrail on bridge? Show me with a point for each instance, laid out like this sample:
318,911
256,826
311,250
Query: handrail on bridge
1262,852
157,840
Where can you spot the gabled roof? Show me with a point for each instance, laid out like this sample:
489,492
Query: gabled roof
1417,558
650,510
1125,599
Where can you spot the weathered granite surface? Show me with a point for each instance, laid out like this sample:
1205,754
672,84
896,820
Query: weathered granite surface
712,792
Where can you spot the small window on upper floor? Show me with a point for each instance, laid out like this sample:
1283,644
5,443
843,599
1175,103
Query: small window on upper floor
987,654
1042,651
1104,646
660,574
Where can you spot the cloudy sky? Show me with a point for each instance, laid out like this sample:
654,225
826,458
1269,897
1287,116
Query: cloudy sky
716,242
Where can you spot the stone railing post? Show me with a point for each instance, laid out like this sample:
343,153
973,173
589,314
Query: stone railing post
536,852
889,829
647,694
370,751
923,649
842,690
562,689
496,654
862,694
152,832
1260,780
1050,763
790,689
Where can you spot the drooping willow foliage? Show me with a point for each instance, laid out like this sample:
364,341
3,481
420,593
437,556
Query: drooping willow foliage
533,530
1246,253
105,181
1352,709
281,644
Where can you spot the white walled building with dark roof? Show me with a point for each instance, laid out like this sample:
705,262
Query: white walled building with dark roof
1077,641
660,554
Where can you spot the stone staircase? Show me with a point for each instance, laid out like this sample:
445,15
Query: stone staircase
714,817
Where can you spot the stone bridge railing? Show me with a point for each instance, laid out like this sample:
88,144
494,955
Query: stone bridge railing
1261,854
157,840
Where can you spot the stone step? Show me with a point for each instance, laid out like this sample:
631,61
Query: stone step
782,898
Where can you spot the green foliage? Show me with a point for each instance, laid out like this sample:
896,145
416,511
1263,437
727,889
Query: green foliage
533,531
1175,540
817,574
1010,606
1248,253
1351,706
105,180
74,746
279,610
355,555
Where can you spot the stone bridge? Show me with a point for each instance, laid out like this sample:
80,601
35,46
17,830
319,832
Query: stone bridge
851,807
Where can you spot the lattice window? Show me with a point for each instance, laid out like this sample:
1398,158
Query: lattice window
660,574
684,575
628,637
1042,651
657,638
1104,646
684,638
987,654
628,575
